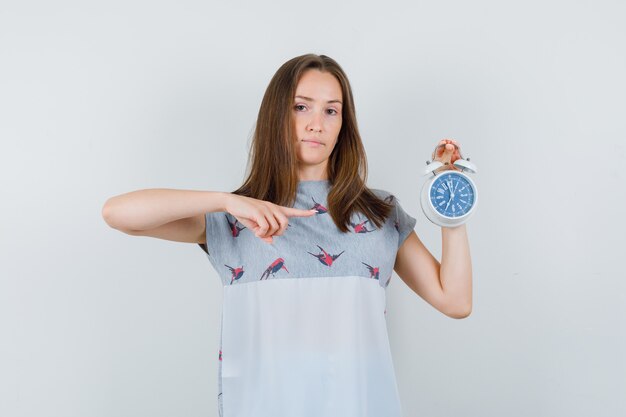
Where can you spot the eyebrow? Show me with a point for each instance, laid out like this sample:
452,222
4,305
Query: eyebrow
310,99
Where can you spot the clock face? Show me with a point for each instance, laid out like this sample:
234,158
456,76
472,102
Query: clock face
452,195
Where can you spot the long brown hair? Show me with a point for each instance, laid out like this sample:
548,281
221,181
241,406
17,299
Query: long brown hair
272,161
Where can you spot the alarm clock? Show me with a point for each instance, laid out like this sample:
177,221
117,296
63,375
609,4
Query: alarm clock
449,197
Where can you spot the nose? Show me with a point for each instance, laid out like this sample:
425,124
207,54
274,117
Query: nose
315,124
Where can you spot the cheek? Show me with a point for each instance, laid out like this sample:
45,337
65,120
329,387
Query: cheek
299,123
337,126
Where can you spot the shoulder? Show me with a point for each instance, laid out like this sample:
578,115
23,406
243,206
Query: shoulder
384,195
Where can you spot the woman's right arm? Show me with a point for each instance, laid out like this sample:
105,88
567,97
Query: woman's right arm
163,213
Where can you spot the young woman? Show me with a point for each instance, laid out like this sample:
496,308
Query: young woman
305,251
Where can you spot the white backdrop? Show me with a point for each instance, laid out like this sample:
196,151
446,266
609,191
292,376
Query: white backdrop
101,98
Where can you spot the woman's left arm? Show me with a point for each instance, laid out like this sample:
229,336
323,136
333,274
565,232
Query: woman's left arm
456,269
447,286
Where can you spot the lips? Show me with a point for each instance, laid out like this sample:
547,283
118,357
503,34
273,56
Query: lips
312,140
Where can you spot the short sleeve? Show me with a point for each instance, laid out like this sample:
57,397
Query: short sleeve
204,246
218,229
404,222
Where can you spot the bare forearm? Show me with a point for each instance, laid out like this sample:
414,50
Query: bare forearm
456,268
150,208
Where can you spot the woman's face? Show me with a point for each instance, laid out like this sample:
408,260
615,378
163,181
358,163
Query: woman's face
316,111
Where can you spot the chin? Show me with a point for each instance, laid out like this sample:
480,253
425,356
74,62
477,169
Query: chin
303,159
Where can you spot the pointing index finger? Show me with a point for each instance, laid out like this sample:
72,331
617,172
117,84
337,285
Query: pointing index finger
294,212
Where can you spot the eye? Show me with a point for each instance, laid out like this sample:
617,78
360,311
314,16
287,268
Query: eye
298,105
335,111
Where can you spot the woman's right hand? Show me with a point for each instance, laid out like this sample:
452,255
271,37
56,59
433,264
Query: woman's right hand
264,218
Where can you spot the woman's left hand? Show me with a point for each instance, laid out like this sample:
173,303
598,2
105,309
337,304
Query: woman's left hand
447,153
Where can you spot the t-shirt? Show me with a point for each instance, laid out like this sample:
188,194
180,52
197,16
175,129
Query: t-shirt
303,326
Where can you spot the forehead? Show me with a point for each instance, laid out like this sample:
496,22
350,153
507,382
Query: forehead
320,86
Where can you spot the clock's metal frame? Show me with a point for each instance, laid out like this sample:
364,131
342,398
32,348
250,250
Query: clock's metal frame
463,165
431,212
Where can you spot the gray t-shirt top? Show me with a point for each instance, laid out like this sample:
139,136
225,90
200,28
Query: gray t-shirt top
303,328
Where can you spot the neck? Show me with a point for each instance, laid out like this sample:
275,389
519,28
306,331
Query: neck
312,173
